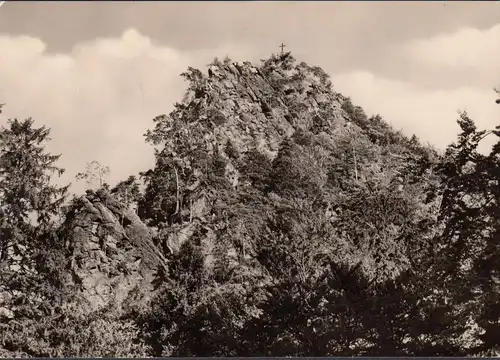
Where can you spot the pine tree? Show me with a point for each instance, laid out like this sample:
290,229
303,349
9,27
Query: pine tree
29,204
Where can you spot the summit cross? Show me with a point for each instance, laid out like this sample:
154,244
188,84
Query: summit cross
282,46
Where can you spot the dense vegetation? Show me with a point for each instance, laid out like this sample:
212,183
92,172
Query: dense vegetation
360,242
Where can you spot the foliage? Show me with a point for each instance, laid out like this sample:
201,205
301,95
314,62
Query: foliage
94,174
128,191
29,203
70,333
351,239
30,258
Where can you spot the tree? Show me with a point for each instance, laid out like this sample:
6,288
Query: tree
462,260
29,202
128,191
470,210
94,174
497,100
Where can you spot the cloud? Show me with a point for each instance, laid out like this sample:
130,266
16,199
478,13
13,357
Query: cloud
465,48
443,74
468,52
430,114
100,98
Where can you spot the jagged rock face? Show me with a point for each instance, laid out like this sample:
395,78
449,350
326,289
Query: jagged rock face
240,107
254,107
109,251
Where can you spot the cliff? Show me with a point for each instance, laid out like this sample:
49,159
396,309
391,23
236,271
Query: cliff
208,144
109,251
250,106
210,190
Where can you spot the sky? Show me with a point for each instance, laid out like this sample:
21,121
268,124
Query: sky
97,73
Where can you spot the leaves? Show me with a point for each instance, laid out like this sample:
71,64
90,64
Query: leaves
347,239
30,266
94,174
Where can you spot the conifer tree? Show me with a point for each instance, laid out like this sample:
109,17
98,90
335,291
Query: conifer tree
29,205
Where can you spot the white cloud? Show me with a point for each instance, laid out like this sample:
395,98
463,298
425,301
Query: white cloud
100,98
445,73
471,51
429,114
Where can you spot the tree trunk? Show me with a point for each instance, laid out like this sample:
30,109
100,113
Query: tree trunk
355,163
177,204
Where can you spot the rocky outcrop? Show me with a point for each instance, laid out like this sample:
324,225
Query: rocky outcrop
238,105
255,106
237,108
109,250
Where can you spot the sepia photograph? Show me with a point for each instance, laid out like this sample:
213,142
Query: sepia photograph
249,178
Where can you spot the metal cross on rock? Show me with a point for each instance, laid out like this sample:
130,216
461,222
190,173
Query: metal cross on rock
282,46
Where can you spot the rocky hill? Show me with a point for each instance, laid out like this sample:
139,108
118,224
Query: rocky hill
239,110
233,112
279,219
250,106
